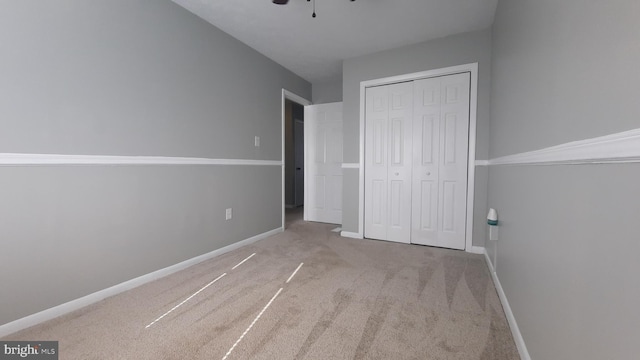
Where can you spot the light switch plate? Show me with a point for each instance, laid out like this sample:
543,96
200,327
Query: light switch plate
228,214
257,141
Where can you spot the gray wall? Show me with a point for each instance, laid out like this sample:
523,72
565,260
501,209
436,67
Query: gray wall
561,66
327,91
106,75
450,51
125,77
567,253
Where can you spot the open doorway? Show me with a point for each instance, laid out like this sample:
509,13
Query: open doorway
293,174
294,161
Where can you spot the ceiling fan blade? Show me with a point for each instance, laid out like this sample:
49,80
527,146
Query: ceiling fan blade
280,2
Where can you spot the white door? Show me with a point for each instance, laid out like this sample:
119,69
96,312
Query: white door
440,150
298,154
388,162
323,163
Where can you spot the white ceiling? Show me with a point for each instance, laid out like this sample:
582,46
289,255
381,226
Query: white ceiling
314,48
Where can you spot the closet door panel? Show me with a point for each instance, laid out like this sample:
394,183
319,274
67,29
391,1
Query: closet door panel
441,111
426,157
376,155
388,150
453,165
400,164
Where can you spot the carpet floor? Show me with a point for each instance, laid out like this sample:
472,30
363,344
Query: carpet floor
350,299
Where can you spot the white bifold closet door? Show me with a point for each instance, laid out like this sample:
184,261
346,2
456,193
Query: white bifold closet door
440,151
388,162
416,146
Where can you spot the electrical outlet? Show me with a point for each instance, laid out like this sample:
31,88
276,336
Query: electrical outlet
257,141
228,214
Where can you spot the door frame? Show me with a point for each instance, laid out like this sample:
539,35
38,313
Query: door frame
471,158
287,95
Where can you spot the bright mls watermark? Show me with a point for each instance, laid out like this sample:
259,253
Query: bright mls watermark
40,350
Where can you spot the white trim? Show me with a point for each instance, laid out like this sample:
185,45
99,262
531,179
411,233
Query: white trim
471,172
488,259
76,304
482,162
419,75
350,165
513,325
361,161
473,109
622,147
492,269
295,98
286,94
476,250
58,159
350,235
306,175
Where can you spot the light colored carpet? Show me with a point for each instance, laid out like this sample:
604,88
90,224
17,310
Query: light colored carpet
352,299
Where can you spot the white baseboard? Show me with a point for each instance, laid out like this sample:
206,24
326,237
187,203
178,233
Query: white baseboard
515,330
76,304
492,269
476,250
351,235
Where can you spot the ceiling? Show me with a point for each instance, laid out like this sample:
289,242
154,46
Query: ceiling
314,48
